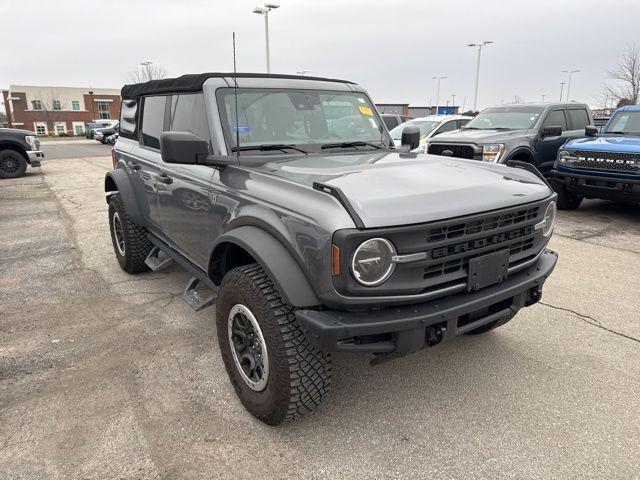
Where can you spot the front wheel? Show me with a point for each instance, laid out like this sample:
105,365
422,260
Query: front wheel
566,199
12,164
277,374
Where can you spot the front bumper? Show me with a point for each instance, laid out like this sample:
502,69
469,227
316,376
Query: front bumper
618,188
35,157
398,331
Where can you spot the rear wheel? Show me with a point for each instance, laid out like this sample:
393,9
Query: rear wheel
275,371
12,164
130,242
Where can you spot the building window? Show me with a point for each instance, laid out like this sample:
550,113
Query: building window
56,105
36,104
78,130
103,111
60,128
75,105
41,129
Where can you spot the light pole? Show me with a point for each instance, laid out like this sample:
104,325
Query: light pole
438,91
570,74
453,99
543,95
264,11
146,64
562,84
479,47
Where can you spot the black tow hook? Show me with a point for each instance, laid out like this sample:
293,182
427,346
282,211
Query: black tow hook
435,334
534,296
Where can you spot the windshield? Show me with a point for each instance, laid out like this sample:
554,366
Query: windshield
506,118
624,122
425,126
306,119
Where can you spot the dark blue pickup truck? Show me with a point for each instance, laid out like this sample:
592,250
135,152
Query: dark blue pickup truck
601,166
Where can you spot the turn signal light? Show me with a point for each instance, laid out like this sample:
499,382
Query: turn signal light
335,257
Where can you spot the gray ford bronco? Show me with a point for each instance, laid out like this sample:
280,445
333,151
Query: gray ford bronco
286,200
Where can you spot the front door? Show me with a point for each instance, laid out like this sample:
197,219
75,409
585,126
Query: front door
547,148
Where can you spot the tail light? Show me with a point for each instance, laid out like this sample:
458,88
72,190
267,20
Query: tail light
113,157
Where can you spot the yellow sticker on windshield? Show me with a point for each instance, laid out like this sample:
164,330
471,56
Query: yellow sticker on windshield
366,111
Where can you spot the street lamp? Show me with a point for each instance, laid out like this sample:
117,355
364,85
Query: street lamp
93,111
569,73
479,47
264,11
562,84
438,91
146,65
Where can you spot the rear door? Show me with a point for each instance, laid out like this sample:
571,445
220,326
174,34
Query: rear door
184,192
547,148
578,118
146,154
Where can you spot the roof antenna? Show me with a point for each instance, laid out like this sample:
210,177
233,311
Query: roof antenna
235,94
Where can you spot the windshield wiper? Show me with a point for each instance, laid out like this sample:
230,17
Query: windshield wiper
618,132
267,147
350,144
472,128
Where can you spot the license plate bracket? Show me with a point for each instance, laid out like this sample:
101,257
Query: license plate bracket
488,270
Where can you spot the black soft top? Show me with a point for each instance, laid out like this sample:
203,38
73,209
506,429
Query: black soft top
193,83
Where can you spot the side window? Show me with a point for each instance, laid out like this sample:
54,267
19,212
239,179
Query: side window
188,115
447,127
390,122
579,119
128,118
555,118
462,123
153,120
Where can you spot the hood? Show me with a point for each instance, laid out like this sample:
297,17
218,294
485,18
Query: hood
617,143
477,136
16,131
390,189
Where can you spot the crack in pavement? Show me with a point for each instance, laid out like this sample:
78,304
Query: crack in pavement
584,240
590,321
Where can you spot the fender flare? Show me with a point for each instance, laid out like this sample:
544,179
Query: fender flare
122,183
285,272
521,149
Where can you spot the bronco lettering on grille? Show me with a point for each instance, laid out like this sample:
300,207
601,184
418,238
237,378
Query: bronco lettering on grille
495,239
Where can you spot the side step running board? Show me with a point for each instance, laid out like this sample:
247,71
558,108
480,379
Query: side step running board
200,292
195,298
155,262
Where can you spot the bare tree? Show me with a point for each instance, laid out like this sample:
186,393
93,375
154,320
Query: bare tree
47,109
148,71
627,76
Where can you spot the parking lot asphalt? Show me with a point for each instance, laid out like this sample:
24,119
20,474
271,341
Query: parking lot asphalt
108,375
58,150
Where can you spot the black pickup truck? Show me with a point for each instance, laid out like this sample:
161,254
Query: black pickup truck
18,148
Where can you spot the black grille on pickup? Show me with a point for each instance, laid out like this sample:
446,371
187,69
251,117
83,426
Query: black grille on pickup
609,161
458,151
449,246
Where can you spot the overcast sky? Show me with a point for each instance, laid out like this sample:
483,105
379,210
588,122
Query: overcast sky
392,48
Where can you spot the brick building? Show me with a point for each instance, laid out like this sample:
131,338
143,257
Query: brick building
59,110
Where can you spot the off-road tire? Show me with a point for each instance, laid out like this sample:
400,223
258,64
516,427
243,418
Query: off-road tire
12,164
299,374
566,199
136,244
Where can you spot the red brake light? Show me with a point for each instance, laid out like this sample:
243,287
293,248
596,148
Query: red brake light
113,157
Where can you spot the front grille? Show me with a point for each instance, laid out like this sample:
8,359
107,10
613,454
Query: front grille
609,161
459,151
450,245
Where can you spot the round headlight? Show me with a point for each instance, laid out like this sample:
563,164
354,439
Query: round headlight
372,262
549,219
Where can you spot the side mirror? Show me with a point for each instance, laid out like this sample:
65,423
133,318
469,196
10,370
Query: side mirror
411,137
182,147
591,131
551,131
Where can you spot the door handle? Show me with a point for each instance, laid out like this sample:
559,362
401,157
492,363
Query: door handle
164,178
133,166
